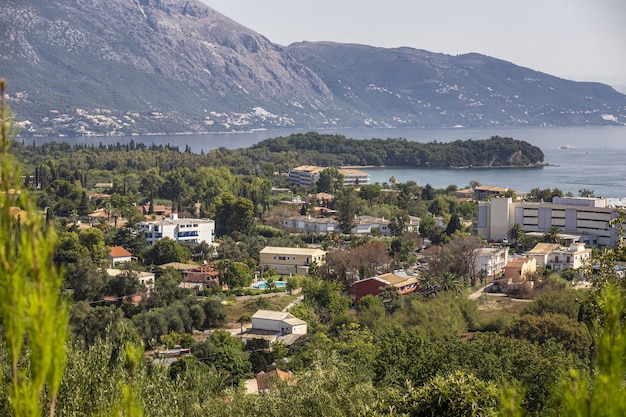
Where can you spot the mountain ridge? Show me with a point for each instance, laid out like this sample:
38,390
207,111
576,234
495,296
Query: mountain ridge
114,67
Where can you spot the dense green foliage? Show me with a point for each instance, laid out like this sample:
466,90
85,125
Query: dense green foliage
336,150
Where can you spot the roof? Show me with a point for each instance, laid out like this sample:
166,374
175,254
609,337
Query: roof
395,280
517,262
290,251
272,315
119,252
542,248
278,316
371,220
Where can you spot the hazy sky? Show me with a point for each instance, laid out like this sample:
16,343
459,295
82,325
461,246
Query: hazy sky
582,40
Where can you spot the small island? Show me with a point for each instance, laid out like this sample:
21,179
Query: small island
336,150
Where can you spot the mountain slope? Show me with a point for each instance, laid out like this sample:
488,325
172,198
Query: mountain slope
178,58
84,67
406,86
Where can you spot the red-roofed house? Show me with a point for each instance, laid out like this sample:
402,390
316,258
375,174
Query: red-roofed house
373,285
118,255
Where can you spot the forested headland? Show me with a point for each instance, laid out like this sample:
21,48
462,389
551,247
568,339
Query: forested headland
337,150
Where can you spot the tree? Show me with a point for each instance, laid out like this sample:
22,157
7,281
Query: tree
398,223
454,225
370,193
552,235
330,181
346,205
456,395
515,233
233,214
239,275
586,193
93,240
31,305
164,251
151,182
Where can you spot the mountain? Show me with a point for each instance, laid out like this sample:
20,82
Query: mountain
406,86
96,67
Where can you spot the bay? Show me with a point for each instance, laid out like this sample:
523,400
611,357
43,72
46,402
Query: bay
597,161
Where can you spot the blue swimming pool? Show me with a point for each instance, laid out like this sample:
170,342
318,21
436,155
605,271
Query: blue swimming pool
261,285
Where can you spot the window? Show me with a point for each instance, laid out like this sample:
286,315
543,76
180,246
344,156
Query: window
281,258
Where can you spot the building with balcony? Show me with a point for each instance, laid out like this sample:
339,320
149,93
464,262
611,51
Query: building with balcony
180,230
290,260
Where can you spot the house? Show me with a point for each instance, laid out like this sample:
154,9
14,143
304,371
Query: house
200,278
366,225
181,230
517,276
520,269
586,218
308,224
158,210
573,257
491,261
272,326
118,254
145,278
484,192
291,260
373,285
280,322
541,252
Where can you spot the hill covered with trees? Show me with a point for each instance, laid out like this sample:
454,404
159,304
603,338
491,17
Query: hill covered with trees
337,150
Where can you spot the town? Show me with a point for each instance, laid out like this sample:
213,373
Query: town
253,277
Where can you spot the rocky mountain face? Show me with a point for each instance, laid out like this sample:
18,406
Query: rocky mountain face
94,67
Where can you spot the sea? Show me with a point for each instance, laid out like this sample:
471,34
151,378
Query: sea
577,158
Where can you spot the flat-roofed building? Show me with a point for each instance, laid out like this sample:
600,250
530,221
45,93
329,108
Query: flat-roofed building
181,230
586,218
291,260
307,175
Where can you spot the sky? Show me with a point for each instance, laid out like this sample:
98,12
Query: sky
581,40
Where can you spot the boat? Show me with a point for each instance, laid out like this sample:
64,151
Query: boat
567,147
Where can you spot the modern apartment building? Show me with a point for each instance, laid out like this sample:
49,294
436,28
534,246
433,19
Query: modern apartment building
307,175
585,218
180,230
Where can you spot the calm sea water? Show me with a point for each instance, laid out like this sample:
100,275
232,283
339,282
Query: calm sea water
598,161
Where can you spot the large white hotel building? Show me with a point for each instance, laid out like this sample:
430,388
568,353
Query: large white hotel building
586,219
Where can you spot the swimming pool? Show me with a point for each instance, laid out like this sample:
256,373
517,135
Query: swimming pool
261,285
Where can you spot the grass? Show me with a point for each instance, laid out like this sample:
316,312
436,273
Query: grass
236,309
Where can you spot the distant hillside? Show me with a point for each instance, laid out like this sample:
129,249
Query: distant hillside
96,67
406,86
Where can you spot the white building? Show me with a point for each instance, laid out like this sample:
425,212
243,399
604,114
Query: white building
180,230
587,218
278,321
308,224
307,175
573,257
491,260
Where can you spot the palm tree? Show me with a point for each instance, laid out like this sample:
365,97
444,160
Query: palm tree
516,232
552,235
451,282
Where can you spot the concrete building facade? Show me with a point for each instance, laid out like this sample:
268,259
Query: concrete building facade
587,218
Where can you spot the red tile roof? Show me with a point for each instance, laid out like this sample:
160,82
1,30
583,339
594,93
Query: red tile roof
119,252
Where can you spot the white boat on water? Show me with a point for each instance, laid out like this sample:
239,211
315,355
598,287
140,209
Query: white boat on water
567,147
